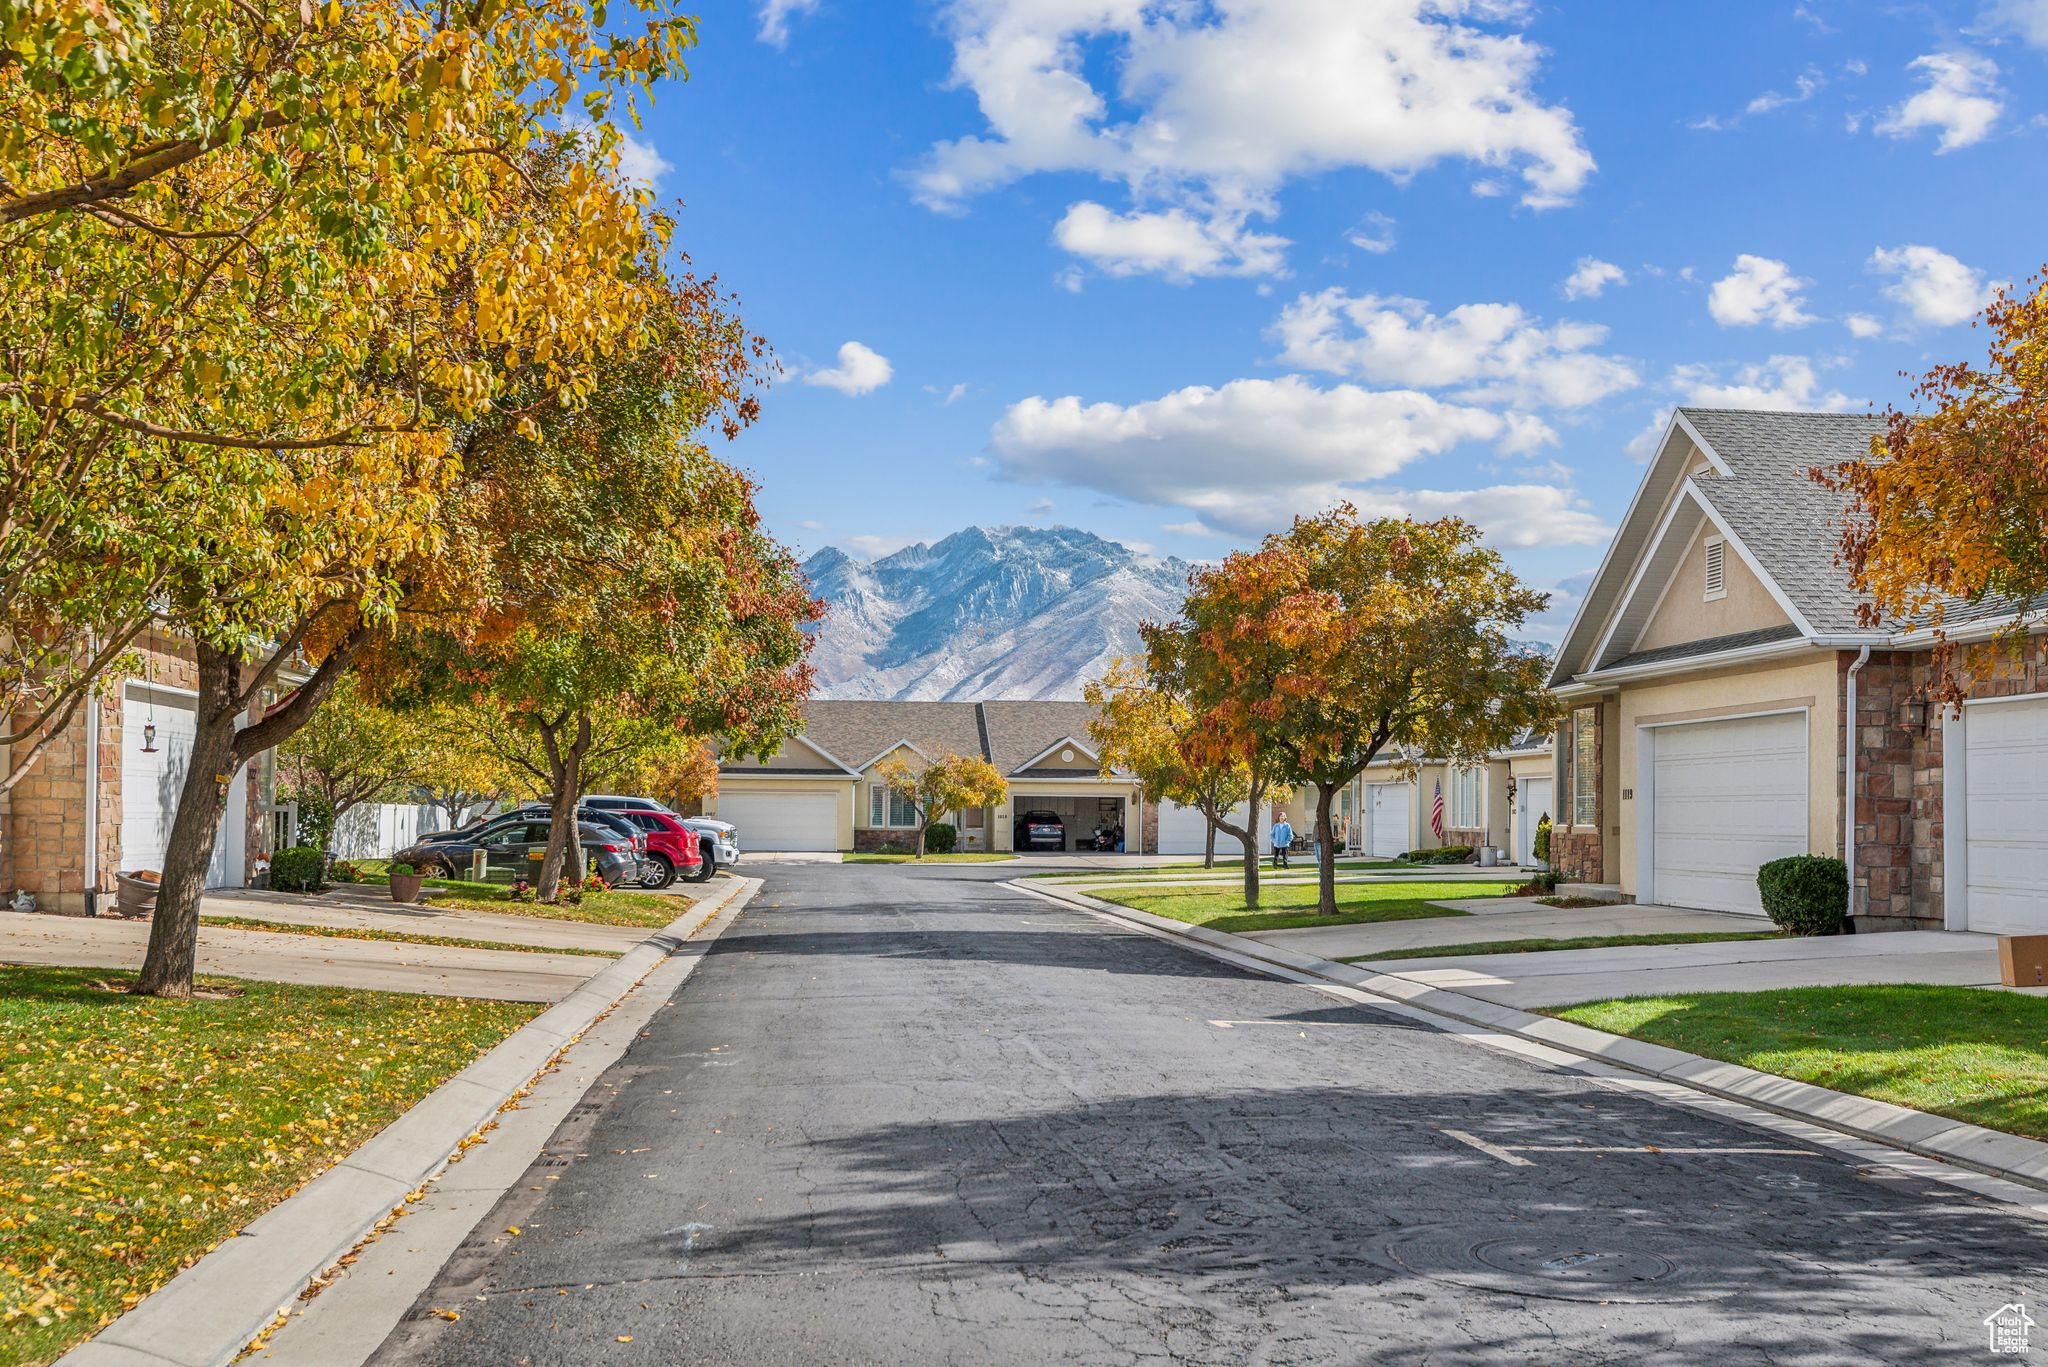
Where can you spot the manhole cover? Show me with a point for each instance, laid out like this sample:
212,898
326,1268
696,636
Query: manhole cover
1602,1263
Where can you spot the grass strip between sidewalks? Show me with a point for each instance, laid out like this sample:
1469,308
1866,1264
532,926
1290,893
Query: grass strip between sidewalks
1291,906
395,936
957,857
1538,946
1969,1053
651,910
138,1132
1232,867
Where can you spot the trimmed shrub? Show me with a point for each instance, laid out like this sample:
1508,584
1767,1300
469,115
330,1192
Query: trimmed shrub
1805,894
1541,847
1546,880
1443,854
940,838
303,869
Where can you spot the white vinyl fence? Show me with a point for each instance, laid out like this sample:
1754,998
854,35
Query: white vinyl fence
378,830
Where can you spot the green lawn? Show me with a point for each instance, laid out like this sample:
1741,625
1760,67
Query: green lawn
1291,905
1965,1052
1576,942
652,910
1224,867
397,936
141,1132
958,857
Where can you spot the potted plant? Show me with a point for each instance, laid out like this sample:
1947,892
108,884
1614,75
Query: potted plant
405,883
135,893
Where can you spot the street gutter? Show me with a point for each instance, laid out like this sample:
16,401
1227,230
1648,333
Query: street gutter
1994,1153
209,1313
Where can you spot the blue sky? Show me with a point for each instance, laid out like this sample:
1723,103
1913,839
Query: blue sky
1174,271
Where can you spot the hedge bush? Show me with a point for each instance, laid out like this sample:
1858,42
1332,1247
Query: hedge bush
302,869
1541,847
1443,854
940,838
1805,894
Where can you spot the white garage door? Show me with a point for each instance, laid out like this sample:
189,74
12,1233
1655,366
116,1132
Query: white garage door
1387,819
2005,815
1184,830
150,784
783,821
1730,796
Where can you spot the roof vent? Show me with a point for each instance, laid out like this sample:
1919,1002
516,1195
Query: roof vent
1717,568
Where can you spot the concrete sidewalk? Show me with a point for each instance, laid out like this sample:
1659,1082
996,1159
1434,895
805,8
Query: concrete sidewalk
267,956
1505,918
1560,977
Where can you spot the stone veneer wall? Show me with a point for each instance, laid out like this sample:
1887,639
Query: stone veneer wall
1578,851
1899,868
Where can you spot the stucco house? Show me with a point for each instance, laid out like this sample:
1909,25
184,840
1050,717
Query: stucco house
1711,672
821,791
101,798
1497,802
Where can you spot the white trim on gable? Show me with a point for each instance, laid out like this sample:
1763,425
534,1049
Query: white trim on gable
1067,740
1684,424
891,748
1755,566
821,750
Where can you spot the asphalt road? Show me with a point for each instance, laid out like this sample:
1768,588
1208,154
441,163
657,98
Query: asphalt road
905,1116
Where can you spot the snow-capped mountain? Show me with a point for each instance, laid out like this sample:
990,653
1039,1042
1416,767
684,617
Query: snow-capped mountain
989,612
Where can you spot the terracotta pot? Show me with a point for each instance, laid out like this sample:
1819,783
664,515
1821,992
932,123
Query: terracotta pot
405,887
134,896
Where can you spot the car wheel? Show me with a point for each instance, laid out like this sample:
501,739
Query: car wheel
436,868
661,871
707,855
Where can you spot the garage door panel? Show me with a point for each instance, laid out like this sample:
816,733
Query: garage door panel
1389,818
773,822
2006,816
1729,797
1184,830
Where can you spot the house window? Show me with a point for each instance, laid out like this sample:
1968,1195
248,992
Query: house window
890,807
1585,768
1468,789
1717,569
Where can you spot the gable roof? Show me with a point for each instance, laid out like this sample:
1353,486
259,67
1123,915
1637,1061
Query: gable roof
1756,488
1010,735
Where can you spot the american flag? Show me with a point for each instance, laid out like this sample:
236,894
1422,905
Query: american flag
1436,811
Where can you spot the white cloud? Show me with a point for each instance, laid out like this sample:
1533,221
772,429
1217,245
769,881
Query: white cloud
1779,384
861,370
1206,111
775,17
1042,507
948,396
1961,98
1592,276
1374,233
1246,456
1863,326
1759,290
1174,243
2024,19
640,162
1805,87
810,525
871,547
1935,288
1488,353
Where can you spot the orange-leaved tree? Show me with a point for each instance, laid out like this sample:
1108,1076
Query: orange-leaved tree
950,783
1952,504
1343,638
1137,729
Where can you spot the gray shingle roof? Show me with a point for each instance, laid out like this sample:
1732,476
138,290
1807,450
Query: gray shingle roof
1008,734
1789,523
1685,650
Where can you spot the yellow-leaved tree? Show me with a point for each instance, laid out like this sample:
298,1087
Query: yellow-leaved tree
1139,727
951,783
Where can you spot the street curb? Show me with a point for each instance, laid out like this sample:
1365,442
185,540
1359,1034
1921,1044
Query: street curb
210,1312
1991,1152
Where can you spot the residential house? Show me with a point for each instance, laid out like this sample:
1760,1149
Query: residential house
101,798
1496,802
1728,707
821,792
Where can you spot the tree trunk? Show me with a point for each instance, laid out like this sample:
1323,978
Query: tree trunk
922,828
1209,846
565,773
219,752
173,953
1326,851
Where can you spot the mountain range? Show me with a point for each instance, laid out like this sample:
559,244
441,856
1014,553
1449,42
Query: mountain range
989,612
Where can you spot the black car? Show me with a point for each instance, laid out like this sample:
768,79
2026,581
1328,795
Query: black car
513,847
1040,831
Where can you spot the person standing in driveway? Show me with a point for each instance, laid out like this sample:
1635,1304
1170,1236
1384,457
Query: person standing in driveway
1283,836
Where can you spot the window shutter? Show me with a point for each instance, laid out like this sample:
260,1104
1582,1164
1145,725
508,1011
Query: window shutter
1717,569
876,817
